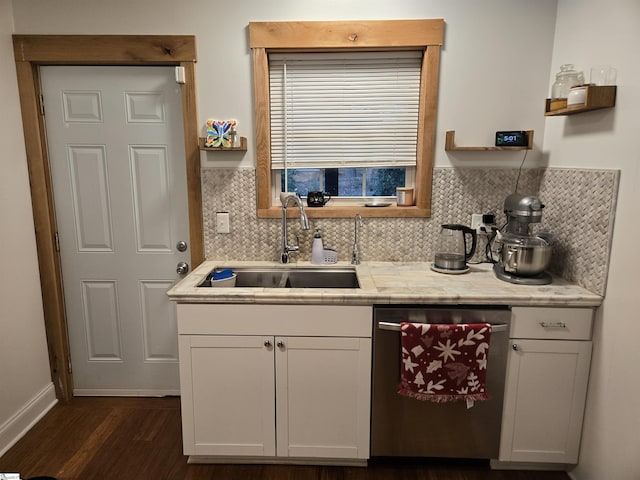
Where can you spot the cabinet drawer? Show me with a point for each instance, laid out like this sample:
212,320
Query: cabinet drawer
551,323
291,320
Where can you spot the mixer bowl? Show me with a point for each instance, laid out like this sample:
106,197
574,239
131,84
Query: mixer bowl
525,258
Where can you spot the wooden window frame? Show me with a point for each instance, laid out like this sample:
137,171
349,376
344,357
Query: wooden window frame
426,35
32,51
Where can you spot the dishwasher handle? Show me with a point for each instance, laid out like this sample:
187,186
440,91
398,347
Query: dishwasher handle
500,327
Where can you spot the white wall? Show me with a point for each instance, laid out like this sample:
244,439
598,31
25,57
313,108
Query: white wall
25,382
588,33
494,70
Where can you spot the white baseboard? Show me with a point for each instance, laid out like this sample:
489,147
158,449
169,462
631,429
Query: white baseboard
95,392
21,422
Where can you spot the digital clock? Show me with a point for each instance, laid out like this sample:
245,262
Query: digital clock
517,138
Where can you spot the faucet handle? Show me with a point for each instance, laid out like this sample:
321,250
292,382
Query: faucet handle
292,248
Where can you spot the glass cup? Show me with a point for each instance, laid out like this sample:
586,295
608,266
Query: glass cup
611,76
603,75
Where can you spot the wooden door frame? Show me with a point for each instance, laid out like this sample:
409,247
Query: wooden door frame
33,51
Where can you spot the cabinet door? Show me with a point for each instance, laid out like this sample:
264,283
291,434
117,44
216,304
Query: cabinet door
227,386
544,400
322,390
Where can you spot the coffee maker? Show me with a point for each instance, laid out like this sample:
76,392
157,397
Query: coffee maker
522,256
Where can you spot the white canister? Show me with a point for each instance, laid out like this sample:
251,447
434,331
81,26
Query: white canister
577,95
404,196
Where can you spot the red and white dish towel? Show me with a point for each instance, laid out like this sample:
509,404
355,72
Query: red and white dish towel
444,362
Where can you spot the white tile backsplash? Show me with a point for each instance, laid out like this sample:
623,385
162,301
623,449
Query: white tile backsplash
570,196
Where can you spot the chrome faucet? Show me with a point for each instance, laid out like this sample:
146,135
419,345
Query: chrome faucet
355,254
304,223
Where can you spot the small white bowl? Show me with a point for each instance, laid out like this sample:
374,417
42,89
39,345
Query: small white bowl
576,96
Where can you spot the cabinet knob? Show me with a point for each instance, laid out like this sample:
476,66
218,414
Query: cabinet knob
515,347
267,343
280,343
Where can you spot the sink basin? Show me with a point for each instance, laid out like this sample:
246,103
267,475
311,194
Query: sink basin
292,277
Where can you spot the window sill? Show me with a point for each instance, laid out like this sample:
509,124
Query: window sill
392,211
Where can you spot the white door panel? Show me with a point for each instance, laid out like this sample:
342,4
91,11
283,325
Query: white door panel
116,150
101,322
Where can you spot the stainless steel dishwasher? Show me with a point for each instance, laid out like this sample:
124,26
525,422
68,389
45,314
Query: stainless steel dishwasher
402,426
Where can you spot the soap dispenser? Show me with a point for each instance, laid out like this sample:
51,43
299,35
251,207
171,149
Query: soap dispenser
317,250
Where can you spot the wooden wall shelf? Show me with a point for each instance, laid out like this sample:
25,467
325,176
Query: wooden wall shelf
450,144
596,98
241,148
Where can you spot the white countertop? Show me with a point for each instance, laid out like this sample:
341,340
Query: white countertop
388,282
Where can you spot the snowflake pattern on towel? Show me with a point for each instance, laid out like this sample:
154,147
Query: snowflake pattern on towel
442,362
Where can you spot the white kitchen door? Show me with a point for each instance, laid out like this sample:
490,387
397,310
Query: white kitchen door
116,149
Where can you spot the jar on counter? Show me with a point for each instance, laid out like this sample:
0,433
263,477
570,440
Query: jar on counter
404,196
566,78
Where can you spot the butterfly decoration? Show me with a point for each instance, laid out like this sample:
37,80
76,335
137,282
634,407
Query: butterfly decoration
219,133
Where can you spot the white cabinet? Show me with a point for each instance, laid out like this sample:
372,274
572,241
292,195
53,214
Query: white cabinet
253,385
545,391
228,395
322,397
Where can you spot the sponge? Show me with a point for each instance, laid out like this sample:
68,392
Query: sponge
222,274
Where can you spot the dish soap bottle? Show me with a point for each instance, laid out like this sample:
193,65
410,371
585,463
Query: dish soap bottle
317,250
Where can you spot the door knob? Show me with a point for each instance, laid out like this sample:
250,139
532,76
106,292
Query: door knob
182,268
181,246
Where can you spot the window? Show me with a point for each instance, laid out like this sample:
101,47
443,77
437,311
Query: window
345,183
381,138
344,122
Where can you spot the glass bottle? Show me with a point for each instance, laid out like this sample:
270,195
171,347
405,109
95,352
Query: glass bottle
233,137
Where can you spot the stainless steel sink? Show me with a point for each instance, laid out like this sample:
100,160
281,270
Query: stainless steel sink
292,277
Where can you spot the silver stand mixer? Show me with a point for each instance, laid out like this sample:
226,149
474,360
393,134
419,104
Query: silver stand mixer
523,257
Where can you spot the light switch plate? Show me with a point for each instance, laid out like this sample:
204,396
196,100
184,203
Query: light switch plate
222,222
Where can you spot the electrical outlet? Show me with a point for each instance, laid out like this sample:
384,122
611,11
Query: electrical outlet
482,223
476,222
222,222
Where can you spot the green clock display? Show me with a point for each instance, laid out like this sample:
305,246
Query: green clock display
516,138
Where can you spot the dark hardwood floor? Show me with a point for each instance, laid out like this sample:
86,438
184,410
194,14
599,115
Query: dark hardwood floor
139,438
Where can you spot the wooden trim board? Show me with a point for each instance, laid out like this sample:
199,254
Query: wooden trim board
347,34
426,35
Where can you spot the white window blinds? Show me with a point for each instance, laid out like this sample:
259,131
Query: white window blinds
338,110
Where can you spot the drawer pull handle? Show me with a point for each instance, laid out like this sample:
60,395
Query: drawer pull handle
553,325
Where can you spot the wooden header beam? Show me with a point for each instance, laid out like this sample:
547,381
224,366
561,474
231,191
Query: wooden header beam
351,34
